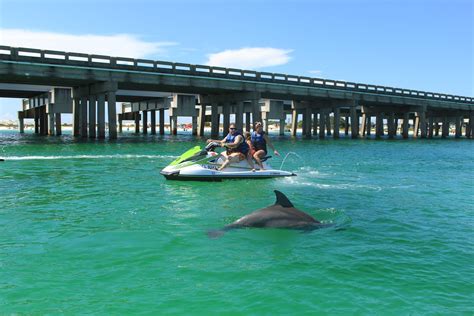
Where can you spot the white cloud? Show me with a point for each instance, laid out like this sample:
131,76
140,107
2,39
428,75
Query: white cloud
120,45
250,57
315,72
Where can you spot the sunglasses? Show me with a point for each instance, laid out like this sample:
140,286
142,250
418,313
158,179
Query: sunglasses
232,128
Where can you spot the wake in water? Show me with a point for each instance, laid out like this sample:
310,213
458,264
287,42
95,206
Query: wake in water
311,177
334,219
15,158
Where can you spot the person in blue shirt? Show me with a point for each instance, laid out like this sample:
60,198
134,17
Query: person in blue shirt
237,148
260,141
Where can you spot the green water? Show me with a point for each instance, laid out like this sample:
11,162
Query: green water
92,228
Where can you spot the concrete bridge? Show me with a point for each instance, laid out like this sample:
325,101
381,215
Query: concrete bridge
208,93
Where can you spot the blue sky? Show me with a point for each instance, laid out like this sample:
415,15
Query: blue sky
424,45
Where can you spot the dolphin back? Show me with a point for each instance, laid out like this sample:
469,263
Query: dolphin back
282,200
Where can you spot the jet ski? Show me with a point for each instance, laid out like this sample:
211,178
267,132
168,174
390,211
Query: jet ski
202,165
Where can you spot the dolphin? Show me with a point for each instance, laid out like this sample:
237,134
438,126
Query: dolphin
282,214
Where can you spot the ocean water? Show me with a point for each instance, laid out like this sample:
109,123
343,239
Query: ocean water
91,227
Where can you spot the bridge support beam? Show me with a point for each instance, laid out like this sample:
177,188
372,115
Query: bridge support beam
174,125
422,116
430,127
214,120
58,124
458,121
328,123
282,127
337,122
307,122
145,122
201,120
40,121
225,118
265,122
364,124
153,121
247,122
83,116
21,120
369,125
406,125
42,130
194,125
470,127
256,112
162,121
346,127
303,123
136,118
391,125
471,124
112,111
379,125
36,120
137,122
294,122
322,123
437,127
416,126
76,113
445,128
92,116
50,117
45,122
101,115
467,129
315,122
354,122
239,119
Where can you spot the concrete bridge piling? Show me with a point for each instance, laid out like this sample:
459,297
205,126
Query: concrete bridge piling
45,109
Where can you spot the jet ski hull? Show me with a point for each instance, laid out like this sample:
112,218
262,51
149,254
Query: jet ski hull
208,173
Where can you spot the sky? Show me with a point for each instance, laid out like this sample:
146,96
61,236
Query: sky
418,44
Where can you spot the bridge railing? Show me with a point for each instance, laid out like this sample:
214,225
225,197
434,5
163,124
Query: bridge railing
102,61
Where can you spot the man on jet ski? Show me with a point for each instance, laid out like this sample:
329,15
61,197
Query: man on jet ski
237,148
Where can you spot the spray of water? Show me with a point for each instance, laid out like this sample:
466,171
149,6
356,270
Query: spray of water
286,156
86,157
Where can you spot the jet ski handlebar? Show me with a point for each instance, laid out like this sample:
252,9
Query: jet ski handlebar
212,145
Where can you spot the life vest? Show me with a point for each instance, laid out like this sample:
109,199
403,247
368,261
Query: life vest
258,141
242,148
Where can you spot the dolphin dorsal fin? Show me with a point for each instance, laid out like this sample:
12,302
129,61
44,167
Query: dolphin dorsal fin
282,200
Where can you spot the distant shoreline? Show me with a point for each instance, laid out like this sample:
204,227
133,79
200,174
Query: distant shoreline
125,127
